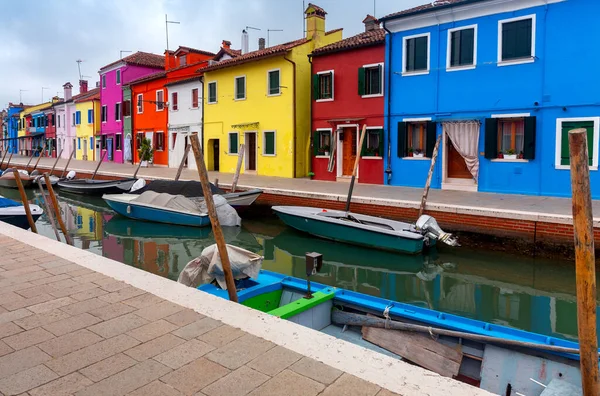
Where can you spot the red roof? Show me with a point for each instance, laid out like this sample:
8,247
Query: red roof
231,52
197,77
373,37
92,94
141,59
149,77
194,50
431,6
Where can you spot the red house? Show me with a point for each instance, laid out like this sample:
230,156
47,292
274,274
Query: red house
348,84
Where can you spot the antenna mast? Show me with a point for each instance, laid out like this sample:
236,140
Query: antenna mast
79,67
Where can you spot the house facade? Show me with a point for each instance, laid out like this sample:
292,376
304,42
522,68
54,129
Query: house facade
112,78
50,130
127,126
32,128
496,82
348,94
262,99
62,129
87,124
12,126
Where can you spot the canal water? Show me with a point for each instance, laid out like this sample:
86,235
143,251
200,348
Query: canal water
522,292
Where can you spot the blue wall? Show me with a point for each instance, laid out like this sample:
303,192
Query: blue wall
13,128
564,74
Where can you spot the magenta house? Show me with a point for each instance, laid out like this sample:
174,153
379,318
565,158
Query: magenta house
111,144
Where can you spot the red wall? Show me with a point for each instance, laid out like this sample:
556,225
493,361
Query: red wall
348,103
151,120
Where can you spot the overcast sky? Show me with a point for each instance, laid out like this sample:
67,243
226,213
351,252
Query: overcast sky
41,39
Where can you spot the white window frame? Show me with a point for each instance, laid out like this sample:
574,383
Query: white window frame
118,73
330,130
264,143
405,58
451,68
278,88
332,85
103,78
137,102
163,99
121,140
235,87
176,93
529,59
559,121
120,114
380,156
208,92
229,143
372,65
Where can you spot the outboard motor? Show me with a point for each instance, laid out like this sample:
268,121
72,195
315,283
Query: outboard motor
140,183
427,225
71,175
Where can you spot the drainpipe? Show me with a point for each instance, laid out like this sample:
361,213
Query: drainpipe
310,112
388,170
294,113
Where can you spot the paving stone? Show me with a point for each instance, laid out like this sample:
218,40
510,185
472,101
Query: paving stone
275,360
21,360
127,381
14,315
184,353
152,330
159,311
51,279
71,323
84,306
64,269
240,382
5,349
22,270
289,383
111,285
240,351
222,335
33,321
28,302
93,277
34,291
184,317
156,388
8,329
187,380
122,294
82,272
119,325
63,386
30,277
92,354
17,286
197,328
143,300
11,297
69,342
26,380
111,311
349,385
154,347
28,338
50,305
55,263
65,284
316,370
385,392
87,294
79,287
107,367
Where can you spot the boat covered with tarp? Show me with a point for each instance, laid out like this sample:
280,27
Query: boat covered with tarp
73,185
13,212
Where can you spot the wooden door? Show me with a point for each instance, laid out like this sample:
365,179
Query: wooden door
251,147
457,168
349,151
216,155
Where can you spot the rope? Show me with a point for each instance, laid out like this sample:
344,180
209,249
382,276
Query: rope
386,315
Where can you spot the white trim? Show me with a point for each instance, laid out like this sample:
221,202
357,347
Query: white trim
208,92
373,65
229,143
417,158
115,141
121,111
103,81
557,149
274,143
163,99
118,72
113,67
416,119
449,183
139,102
405,58
518,61
156,136
449,49
340,148
508,160
332,85
513,115
268,87
235,88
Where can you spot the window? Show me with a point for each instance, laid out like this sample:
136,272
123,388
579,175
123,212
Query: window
127,108
416,54
118,77
212,92
240,88
118,111
74,120
78,143
182,60
195,96
416,138
103,142
138,139
140,103
103,114
516,41
462,48
323,85
58,120
373,144
103,81
233,143
91,143
510,135
370,80
174,104
160,103
321,142
269,143
90,116
273,82
160,141
53,119
118,141
563,126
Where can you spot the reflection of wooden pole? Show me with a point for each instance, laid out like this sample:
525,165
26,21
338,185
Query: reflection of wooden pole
238,168
61,223
429,176
99,163
212,213
39,158
68,162
56,162
47,207
585,270
25,201
358,150
182,163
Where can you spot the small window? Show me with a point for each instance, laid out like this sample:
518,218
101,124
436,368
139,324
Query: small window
233,142
416,54
195,97
104,81
183,60
53,119
78,143
57,120
78,118
516,41
274,83
118,141
511,132
269,143
138,139
117,111
118,77
510,137
127,108
462,47
565,127
174,104
240,88
73,121
417,137
103,142
323,85
90,116
91,143
321,142
160,141
104,114
370,80
140,103
373,144
212,92
160,104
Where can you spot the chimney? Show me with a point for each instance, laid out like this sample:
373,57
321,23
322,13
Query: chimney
226,44
261,43
83,86
68,91
244,42
170,61
97,84
371,23
315,21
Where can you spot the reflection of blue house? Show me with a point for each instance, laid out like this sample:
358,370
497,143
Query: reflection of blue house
502,82
12,127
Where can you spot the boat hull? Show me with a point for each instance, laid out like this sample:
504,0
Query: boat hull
12,183
19,220
96,187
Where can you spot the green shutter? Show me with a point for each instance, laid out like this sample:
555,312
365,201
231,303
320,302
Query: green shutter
467,43
316,93
516,39
430,137
361,81
421,52
270,143
315,143
529,138
240,88
233,143
491,138
274,82
564,148
402,139
363,149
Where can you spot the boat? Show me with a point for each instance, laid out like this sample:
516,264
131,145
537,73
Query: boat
53,180
95,187
13,212
363,230
8,179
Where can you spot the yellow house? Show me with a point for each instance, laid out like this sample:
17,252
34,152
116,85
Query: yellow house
261,99
28,127
87,124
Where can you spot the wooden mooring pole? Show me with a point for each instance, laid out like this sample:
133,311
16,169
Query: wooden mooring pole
47,207
61,223
182,163
238,168
9,158
429,176
39,158
214,220
67,165
29,162
360,144
4,156
56,162
583,227
25,201
100,163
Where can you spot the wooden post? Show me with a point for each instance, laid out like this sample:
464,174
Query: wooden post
4,156
182,163
212,213
47,207
100,163
39,158
67,165
238,168
30,159
585,270
9,158
56,162
136,170
360,144
217,182
61,223
429,176
25,201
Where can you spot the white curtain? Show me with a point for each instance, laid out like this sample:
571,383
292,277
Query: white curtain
464,135
127,148
333,140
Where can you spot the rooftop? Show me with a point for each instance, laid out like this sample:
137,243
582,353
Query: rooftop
92,94
373,37
429,7
149,77
193,50
141,59
185,80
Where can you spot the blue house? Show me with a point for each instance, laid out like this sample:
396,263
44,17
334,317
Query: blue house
500,82
39,123
12,127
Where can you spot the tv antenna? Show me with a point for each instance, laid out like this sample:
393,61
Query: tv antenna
43,93
272,30
79,67
122,52
167,28
250,27
21,94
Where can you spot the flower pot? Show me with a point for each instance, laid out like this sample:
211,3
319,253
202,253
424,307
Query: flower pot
144,164
418,155
326,153
410,153
510,156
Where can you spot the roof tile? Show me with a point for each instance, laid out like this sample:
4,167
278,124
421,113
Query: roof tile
141,59
148,77
425,8
372,37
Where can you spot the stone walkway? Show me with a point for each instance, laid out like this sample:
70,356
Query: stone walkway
67,330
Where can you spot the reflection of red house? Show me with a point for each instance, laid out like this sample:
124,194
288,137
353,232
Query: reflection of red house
348,82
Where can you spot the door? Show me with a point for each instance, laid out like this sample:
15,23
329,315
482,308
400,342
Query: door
216,155
457,168
150,136
85,149
127,148
74,148
109,148
98,148
174,151
250,151
348,151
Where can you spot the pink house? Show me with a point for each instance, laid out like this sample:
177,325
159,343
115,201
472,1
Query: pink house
118,148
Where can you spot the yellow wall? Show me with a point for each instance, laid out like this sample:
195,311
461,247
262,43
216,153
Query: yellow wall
84,131
88,224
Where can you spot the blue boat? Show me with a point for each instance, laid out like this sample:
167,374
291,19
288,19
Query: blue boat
13,212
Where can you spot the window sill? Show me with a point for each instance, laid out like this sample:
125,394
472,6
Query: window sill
416,158
568,167
324,100
269,155
509,160
239,99
372,96
322,156
415,73
459,68
233,154
211,102
371,157
529,59
276,94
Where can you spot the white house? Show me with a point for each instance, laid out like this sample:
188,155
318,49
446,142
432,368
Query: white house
63,127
